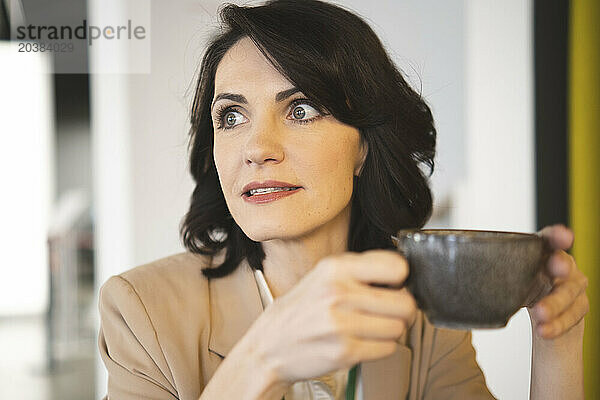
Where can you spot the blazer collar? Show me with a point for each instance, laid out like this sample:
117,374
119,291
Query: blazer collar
235,304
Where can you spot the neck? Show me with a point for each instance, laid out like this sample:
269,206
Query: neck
288,260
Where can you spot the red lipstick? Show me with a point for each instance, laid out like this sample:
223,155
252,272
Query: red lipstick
269,196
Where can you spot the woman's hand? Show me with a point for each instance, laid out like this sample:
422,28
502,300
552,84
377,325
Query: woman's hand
333,318
557,319
567,303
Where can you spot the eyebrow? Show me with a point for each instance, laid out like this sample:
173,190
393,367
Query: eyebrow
284,94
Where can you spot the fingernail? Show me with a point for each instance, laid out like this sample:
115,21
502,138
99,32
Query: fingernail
539,311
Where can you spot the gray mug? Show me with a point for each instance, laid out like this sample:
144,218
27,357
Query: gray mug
468,279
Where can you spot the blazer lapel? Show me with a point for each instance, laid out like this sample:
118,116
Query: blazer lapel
234,305
388,378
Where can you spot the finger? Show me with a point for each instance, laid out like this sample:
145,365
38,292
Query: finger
558,236
358,350
368,326
383,267
559,300
560,264
566,320
396,303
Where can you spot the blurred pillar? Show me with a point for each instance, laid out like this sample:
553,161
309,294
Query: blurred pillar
551,63
585,167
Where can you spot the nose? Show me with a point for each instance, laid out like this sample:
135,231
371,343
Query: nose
264,142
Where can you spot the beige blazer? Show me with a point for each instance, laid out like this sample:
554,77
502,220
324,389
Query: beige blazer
165,329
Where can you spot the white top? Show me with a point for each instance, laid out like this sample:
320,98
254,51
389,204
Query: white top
331,386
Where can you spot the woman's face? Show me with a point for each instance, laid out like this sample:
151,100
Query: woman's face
263,135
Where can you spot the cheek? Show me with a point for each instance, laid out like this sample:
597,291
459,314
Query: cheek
329,171
223,163
332,161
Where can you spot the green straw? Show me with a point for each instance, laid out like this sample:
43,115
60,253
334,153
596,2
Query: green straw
351,386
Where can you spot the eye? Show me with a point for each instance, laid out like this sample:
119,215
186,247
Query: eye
304,111
227,117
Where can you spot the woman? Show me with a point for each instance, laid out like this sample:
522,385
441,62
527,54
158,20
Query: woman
306,148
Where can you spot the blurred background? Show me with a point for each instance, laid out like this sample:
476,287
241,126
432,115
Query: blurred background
93,158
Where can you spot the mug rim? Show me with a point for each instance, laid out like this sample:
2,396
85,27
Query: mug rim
465,234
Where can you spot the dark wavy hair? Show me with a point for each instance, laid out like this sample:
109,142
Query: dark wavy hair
338,62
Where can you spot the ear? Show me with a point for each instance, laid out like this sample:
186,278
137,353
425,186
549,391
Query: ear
362,156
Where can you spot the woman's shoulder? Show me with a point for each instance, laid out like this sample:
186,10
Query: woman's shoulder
172,284
178,271
155,322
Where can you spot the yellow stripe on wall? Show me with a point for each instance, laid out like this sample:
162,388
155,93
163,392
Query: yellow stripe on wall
584,154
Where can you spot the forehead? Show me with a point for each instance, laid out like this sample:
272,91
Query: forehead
245,68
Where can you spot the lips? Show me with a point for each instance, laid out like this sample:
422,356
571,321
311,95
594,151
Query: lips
263,198
265,184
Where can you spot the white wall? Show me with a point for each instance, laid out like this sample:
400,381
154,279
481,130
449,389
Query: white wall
472,58
27,176
498,190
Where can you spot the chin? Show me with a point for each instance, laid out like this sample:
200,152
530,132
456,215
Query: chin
264,233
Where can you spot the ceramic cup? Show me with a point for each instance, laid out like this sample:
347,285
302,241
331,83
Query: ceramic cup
467,279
